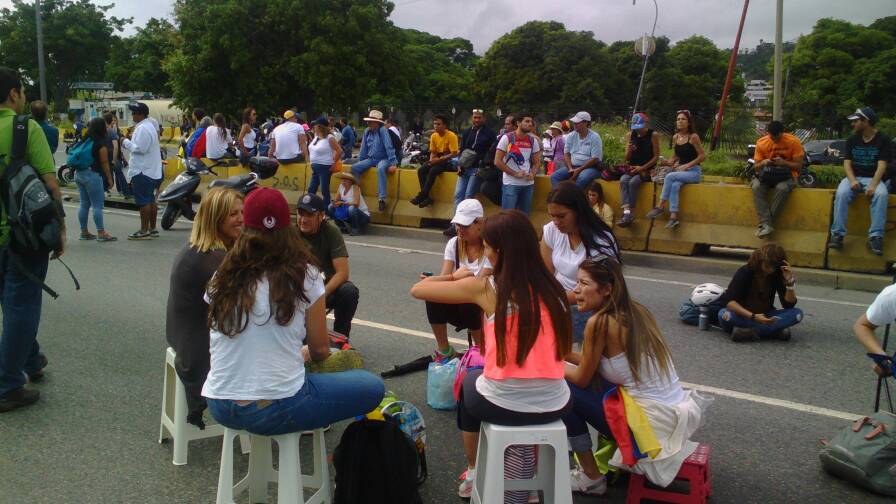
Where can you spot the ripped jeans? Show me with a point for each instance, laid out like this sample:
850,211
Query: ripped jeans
787,317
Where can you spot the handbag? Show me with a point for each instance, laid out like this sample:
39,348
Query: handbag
467,159
771,175
336,167
471,360
341,212
660,172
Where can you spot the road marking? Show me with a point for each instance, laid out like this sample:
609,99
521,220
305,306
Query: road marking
402,330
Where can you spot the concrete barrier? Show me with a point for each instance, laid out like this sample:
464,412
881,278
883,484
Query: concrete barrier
405,213
368,184
855,255
635,236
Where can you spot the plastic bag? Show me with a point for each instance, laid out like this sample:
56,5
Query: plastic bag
440,385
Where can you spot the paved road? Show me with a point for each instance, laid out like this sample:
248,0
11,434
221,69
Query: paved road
92,438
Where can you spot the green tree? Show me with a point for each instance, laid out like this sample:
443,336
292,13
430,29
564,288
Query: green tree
135,63
622,86
77,37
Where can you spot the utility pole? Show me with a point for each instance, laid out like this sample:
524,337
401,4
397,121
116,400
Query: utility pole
779,50
731,64
41,69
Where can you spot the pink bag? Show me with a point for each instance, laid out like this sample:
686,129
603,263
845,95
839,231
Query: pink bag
472,359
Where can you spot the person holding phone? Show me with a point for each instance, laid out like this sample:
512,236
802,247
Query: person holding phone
881,312
749,311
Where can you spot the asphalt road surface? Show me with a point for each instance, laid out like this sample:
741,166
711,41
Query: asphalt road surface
93,436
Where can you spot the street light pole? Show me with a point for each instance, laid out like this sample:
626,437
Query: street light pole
656,15
41,69
778,94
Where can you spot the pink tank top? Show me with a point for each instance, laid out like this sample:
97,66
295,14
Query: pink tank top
542,359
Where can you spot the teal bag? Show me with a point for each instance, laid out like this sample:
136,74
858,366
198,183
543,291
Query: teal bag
440,385
80,156
865,453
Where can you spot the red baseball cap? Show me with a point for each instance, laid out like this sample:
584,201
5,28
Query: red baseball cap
266,209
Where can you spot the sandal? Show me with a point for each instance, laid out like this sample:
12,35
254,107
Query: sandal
87,236
106,238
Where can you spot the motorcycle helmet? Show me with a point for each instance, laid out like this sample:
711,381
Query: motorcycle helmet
706,293
265,167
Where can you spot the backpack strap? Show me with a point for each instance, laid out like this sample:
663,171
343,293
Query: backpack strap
19,139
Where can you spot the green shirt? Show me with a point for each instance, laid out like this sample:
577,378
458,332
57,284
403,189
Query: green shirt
37,154
325,246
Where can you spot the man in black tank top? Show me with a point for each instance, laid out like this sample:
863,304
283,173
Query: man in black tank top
641,154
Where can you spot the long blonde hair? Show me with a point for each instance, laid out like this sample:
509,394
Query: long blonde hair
214,208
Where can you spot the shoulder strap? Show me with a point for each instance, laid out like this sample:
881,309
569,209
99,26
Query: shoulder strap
19,139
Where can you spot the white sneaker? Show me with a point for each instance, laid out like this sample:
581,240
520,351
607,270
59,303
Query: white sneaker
582,484
468,479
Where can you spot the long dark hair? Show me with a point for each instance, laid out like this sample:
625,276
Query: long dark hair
523,284
96,130
247,115
691,130
590,225
280,256
221,123
767,258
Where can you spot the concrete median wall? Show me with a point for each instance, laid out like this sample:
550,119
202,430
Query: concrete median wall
855,255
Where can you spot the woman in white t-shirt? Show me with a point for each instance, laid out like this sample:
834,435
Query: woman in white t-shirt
464,257
217,139
349,210
574,234
264,301
325,152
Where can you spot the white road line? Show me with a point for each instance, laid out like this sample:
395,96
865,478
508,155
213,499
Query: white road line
400,250
402,330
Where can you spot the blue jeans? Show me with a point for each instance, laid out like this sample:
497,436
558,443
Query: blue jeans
673,182
382,172
583,180
90,187
325,398
788,317
517,197
628,186
844,197
320,176
21,301
587,408
356,218
579,319
467,185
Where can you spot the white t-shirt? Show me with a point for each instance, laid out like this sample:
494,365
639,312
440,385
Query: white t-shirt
286,137
473,266
395,130
249,139
883,310
566,260
520,157
349,195
215,148
320,150
265,360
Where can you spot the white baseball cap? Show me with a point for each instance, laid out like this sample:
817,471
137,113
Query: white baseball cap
467,212
581,116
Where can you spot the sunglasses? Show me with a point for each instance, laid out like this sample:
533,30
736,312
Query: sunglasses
685,112
478,111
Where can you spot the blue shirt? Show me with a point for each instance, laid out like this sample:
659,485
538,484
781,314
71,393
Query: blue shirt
52,135
581,150
377,145
348,136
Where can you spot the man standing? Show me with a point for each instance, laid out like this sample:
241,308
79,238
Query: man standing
20,354
442,151
519,156
376,150
779,157
39,114
478,138
582,153
868,152
348,139
288,140
145,169
327,246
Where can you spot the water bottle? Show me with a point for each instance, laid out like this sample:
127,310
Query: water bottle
704,318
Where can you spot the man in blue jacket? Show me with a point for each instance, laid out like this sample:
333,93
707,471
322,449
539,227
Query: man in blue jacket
376,150
348,139
39,114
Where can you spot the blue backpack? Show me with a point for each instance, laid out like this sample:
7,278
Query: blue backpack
80,156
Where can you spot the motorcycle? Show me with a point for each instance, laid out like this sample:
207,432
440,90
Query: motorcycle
414,150
805,176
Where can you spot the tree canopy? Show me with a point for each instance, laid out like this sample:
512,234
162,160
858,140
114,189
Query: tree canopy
135,63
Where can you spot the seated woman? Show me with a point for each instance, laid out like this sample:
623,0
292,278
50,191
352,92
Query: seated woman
749,313
464,257
624,346
526,336
264,300
348,210
686,167
598,204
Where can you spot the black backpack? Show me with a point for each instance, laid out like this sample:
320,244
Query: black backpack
396,144
376,463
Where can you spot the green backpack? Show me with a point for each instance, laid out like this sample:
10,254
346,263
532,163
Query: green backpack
865,453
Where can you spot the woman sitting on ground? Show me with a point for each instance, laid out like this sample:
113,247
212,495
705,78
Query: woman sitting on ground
349,210
686,163
600,207
624,346
265,299
217,225
464,257
526,335
749,313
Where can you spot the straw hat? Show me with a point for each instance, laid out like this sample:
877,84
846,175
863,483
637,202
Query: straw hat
375,115
346,176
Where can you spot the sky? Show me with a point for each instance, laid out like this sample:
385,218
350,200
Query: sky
483,21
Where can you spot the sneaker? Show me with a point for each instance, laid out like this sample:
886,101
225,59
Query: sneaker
467,481
656,212
582,484
876,245
782,335
18,398
382,206
440,357
140,235
87,236
417,199
626,220
764,230
836,242
450,231
154,233
425,202
672,224
38,376
743,334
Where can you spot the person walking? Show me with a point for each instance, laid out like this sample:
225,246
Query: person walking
377,150
90,182
686,163
641,154
325,154
145,169
518,155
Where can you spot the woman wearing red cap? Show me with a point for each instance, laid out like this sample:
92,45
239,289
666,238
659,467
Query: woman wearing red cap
264,301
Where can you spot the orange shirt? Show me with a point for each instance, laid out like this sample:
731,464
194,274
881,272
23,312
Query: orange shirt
542,359
787,147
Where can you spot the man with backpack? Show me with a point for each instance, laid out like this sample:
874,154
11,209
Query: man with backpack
518,155
22,274
145,169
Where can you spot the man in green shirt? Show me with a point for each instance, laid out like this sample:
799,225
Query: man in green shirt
327,246
20,354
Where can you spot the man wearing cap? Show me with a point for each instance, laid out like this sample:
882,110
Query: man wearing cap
779,157
376,150
288,140
641,154
868,152
558,145
583,151
328,247
144,169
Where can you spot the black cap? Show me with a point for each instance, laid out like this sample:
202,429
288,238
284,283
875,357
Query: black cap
864,113
140,108
311,203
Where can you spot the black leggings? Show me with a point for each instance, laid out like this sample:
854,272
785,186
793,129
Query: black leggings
473,409
462,316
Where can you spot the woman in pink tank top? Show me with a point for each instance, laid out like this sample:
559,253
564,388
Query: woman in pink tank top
527,335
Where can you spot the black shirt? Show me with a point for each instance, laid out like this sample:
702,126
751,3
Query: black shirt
864,156
480,140
643,148
755,295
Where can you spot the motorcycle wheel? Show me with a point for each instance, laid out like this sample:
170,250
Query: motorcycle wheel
172,212
65,174
807,178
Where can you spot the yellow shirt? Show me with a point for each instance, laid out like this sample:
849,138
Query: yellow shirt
443,144
605,213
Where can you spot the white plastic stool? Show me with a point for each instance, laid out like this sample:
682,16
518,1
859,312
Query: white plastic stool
551,473
174,415
289,478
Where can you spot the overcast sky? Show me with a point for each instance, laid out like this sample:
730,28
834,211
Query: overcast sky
482,21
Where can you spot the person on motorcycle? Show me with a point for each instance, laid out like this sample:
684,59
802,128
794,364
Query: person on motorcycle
443,149
779,157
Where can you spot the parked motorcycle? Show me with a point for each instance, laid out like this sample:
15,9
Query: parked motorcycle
415,150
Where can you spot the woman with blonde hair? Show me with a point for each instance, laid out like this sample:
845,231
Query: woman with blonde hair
217,225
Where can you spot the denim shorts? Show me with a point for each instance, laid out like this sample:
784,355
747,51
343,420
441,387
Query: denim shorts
144,189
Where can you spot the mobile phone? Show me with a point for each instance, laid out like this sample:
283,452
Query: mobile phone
427,273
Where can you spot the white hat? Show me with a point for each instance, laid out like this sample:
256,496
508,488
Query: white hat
375,115
581,116
467,212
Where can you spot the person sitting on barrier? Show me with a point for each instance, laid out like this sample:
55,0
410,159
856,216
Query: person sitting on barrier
574,234
247,141
265,300
865,160
882,312
218,139
464,257
600,207
518,155
443,151
624,346
778,159
583,152
328,248
641,154
558,146
196,145
526,333
686,162
325,153
288,140
749,301
349,210
217,225
377,150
